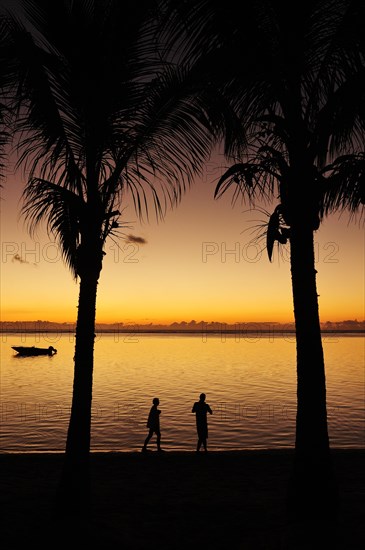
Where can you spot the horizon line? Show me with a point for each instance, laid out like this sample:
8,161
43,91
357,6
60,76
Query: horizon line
176,326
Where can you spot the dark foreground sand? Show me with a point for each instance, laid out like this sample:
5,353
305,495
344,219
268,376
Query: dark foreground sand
225,500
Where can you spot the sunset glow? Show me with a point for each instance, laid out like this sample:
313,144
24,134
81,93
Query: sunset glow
204,262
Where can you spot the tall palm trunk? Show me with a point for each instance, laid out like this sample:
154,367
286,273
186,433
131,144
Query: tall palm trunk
312,490
74,488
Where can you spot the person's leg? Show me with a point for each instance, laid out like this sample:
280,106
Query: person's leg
199,444
158,440
150,434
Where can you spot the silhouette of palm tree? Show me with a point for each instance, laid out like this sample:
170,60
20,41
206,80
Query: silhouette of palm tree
297,128
294,73
101,122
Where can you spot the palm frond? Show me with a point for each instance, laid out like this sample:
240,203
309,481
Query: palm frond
60,209
345,185
259,176
340,123
109,117
168,141
7,78
236,174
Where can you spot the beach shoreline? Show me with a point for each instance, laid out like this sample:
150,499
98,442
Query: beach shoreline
176,499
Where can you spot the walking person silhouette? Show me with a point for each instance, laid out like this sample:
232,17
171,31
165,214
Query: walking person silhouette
201,408
153,423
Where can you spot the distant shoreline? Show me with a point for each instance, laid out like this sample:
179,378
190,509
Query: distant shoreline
205,328
132,330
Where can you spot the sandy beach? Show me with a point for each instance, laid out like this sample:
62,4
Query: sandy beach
175,500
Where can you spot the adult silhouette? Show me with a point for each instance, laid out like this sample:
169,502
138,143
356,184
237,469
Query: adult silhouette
201,408
153,423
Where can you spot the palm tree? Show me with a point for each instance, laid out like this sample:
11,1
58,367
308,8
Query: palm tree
295,75
101,121
304,134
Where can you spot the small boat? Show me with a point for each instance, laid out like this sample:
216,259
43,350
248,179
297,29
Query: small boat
32,350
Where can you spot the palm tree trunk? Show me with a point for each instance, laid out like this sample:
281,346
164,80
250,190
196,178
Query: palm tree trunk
312,493
74,489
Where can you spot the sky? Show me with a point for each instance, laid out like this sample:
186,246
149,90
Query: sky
204,262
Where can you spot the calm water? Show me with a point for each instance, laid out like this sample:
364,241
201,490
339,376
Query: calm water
250,384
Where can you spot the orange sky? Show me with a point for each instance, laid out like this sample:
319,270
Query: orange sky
197,264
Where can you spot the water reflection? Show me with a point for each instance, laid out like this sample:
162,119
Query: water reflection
250,384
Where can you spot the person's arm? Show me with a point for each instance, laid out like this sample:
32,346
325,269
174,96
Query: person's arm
210,410
194,408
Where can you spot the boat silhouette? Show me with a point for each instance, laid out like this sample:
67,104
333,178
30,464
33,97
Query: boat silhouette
32,350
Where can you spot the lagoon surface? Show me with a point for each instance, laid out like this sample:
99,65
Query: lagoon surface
250,384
